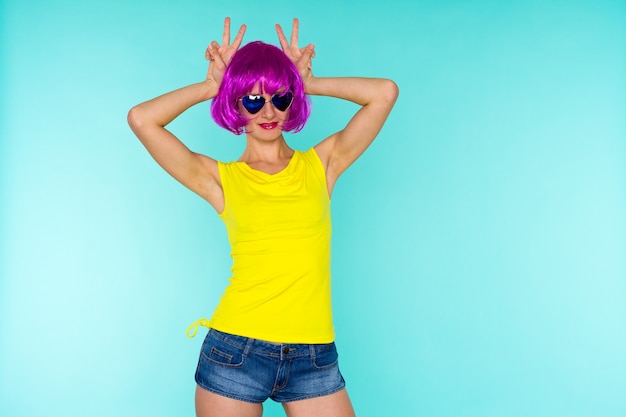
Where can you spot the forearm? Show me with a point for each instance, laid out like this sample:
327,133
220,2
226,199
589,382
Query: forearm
162,110
361,91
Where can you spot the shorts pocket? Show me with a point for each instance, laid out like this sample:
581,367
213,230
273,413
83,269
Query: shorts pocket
222,354
326,357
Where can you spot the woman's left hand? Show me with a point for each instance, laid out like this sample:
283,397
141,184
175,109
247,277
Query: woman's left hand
301,57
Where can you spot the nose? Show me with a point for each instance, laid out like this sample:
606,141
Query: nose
268,110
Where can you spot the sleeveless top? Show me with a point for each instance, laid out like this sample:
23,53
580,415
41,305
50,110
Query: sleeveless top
279,229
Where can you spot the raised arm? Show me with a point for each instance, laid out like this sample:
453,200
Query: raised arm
148,121
376,96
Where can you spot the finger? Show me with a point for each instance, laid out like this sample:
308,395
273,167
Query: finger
281,37
294,32
216,56
211,50
239,37
308,53
226,34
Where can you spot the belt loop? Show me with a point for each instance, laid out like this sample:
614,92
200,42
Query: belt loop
312,351
248,346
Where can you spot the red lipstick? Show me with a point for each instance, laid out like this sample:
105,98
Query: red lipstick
268,126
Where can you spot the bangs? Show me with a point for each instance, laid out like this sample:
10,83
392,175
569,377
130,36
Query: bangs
271,77
267,65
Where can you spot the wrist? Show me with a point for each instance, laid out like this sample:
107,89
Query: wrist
208,89
309,84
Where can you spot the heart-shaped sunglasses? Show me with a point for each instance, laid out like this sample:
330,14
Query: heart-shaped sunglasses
254,103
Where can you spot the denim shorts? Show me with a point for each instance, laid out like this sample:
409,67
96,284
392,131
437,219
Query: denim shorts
252,370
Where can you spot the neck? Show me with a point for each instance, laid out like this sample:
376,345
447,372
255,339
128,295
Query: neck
271,151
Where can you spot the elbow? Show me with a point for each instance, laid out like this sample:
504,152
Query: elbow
134,118
391,91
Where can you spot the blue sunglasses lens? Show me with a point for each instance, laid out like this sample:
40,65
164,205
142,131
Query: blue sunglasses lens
282,101
254,104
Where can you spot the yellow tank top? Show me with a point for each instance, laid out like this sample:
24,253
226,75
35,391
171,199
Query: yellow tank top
279,229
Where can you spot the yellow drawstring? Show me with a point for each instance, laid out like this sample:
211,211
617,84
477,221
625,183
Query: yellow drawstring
196,325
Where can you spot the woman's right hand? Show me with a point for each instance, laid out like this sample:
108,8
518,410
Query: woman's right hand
219,56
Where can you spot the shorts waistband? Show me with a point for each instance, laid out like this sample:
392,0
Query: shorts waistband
278,350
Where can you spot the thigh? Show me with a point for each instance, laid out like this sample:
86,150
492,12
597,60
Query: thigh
209,404
334,405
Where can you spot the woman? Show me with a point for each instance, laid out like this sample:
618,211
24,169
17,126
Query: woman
271,336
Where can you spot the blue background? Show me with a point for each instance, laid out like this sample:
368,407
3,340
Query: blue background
479,245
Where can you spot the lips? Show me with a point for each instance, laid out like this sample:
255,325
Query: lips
268,126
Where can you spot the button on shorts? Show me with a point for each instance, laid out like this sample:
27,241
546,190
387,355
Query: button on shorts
252,370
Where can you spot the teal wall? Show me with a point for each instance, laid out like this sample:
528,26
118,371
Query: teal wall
480,243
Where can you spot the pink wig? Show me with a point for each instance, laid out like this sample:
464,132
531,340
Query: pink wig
268,65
